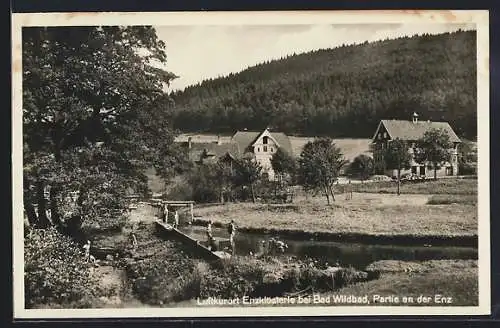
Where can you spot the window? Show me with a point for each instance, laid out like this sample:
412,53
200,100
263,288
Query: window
265,149
449,170
272,149
413,170
265,140
258,149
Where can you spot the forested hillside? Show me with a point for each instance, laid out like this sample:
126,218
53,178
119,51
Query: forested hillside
342,92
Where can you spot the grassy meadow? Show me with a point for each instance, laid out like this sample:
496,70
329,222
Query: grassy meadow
431,212
446,186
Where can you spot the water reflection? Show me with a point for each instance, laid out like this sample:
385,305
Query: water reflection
357,255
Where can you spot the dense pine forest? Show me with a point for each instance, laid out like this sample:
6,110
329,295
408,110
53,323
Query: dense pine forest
342,92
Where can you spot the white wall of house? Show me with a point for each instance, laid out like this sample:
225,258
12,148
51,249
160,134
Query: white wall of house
449,168
264,148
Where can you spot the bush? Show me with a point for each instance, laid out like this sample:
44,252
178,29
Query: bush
467,168
159,281
56,272
181,191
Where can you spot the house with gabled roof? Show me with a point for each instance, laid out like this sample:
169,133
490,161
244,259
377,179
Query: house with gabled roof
262,146
258,145
411,131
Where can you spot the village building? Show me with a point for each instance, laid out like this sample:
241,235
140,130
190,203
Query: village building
258,145
411,131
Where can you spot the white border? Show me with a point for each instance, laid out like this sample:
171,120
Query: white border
479,17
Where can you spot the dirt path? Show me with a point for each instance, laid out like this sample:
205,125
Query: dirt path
143,213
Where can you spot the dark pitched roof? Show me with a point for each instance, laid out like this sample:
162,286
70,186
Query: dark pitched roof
407,130
211,148
246,138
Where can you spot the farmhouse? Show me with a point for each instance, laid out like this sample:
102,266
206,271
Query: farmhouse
259,145
410,131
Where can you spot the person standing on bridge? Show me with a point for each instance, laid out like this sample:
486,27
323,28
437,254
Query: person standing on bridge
165,213
209,231
176,220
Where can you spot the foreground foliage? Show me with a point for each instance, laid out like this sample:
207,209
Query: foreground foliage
94,117
56,271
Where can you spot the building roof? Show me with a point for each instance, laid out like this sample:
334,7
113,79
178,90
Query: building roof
408,130
211,148
246,138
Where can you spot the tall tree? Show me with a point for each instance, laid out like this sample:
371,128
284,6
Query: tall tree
397,157
467,157
283,164
248,172
362,166
94,116
435,148
319,166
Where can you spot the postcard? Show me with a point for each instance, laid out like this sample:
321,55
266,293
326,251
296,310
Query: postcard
220,164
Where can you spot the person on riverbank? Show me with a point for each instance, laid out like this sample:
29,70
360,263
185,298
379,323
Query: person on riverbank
232,231
209,231
133,239
176,220
86,249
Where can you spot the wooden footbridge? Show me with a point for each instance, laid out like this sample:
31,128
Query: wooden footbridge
168,230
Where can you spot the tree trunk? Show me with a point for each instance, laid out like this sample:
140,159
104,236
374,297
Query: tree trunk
30,213
28,204
54,208
43,221
327,194
399,181
435,172
253,193
332,192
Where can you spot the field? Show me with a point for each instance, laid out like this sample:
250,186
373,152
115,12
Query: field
350,147
449,186
446,208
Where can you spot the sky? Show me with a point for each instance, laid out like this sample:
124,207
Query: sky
195,53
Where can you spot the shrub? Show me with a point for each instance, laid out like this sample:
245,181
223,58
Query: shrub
55,271
181,191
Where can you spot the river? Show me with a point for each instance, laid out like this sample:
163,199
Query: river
345,254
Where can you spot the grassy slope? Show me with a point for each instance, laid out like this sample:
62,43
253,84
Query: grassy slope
449,278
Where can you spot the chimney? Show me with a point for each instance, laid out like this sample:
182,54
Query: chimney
415,117
189,142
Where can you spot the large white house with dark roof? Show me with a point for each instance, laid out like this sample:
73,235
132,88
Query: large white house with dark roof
259,145
410,131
